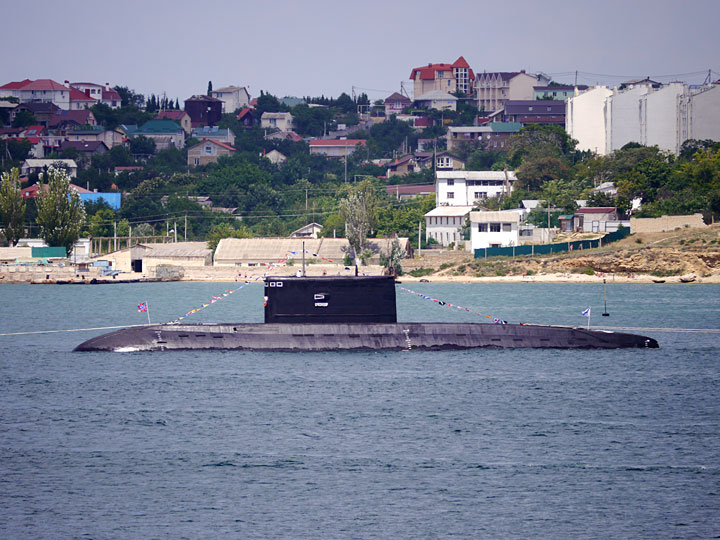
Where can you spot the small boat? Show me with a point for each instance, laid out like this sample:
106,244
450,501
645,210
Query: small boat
658,281
349,313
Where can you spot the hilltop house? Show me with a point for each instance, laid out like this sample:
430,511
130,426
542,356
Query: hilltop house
203,110
232,97
448,78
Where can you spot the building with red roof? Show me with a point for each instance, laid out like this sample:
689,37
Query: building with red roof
100,93
79,100
450,78
38,91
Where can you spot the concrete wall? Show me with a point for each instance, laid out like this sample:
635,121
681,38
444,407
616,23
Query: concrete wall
666,223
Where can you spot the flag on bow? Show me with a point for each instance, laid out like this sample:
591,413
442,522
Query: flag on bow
142,308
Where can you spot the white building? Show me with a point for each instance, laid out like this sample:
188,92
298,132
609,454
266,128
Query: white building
699,114
494,229
444,224
464,188
233,98
585,119
658,117
604,120
622,116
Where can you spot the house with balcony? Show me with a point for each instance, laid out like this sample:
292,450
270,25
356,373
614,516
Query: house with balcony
491,136
541,112
466,188
493,90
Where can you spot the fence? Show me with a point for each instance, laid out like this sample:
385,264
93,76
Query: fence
546,249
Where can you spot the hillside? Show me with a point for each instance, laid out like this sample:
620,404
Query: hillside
644,257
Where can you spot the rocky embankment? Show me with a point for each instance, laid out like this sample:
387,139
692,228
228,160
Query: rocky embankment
655,256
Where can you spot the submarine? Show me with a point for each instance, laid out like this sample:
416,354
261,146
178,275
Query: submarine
328,313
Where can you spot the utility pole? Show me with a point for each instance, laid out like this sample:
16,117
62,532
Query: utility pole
175,230
185,232
419,236
115,235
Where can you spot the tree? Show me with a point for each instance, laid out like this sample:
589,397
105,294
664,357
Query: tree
226,230
142,146
209,88
359,211
24,119
12,206
60,212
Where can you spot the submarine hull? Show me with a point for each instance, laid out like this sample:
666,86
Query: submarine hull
358,336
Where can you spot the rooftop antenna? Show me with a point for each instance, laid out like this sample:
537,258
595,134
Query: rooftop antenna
605,313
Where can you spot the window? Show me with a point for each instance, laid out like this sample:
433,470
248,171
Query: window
450,181
445,162
507,227
480,195
208,150
482,227
197,161
450,195
494,227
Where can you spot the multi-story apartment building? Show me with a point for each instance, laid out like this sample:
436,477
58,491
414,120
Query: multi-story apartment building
604,120
492,90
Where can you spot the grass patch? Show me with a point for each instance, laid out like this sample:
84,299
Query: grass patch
420,272
443,266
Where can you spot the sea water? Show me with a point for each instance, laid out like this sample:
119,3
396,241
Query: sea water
486,443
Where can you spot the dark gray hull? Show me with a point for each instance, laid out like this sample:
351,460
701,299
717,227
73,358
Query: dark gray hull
358,336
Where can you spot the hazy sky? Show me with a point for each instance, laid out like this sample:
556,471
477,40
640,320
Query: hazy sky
326,47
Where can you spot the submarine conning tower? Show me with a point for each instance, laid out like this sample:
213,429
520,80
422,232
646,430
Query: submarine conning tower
330,299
